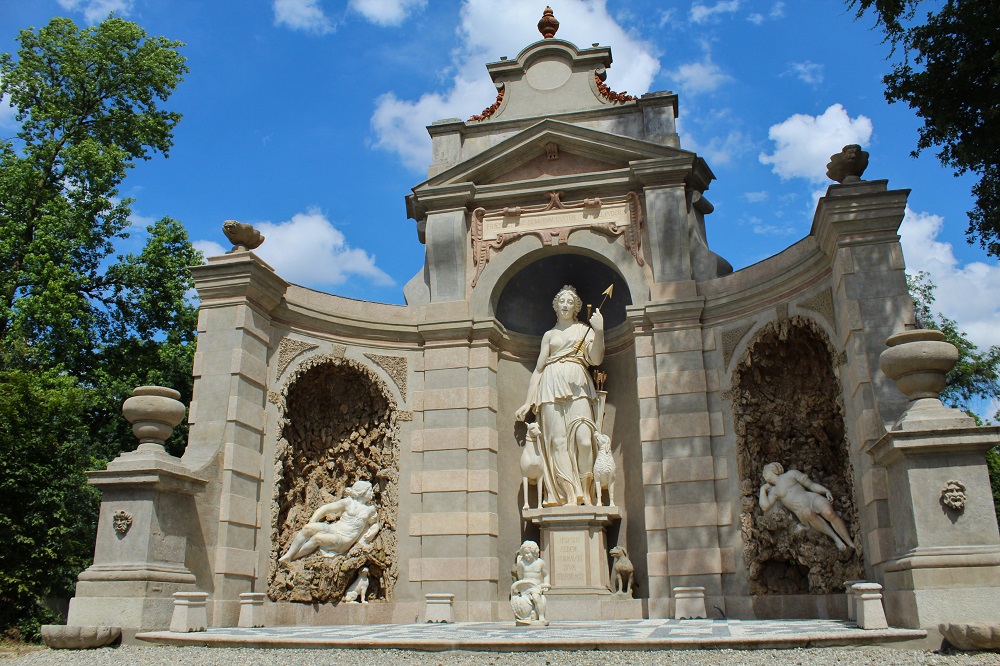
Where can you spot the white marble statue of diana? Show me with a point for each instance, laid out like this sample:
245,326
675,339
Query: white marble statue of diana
562,396
355,520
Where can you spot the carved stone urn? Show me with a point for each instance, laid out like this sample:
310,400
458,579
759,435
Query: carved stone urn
919,361
154,412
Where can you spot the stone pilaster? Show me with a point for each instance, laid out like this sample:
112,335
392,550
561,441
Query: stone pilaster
683,511
856,227
445,225
239,293
455,471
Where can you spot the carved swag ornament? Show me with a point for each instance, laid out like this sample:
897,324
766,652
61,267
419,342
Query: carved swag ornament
484,248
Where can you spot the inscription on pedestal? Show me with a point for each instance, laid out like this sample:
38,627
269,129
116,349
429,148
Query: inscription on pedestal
570,552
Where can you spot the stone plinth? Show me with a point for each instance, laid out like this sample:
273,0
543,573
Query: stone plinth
147,515
946,566
252,609
868,609
190,613
689,603
849,593
439,608
575,547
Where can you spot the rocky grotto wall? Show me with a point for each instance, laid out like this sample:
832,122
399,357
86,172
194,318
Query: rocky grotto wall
788,409
337,425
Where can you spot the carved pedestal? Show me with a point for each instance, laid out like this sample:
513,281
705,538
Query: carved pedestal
140,559
575,547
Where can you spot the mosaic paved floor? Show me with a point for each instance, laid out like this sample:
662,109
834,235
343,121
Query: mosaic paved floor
636,634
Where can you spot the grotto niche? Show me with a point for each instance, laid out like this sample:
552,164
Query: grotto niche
337,425
788,408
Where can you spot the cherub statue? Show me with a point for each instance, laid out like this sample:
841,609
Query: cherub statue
802,497
527,594
354,520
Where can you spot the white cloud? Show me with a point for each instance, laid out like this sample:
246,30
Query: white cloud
719,149
209,248
305,15
8,112
700,13
95,11
486,34
804,143
309,250
755,197
807,72
773,230
695,78
756,18
969,293
386,12
777,12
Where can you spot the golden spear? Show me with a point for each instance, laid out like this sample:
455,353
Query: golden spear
607,294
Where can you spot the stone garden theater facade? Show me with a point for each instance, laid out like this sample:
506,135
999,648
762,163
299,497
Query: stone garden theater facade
704,377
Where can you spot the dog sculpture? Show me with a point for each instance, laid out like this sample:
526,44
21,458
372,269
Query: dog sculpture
624,571
358,590
532,467
604,469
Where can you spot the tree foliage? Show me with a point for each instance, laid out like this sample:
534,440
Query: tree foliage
950,75
79,326
975,379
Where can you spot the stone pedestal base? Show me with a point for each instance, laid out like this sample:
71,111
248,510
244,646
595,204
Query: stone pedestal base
252,609
190,613
439,608
689,602
575,547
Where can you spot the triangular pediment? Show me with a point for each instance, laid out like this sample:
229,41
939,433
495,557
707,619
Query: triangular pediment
528,155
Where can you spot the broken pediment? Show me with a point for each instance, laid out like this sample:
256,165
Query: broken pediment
551,76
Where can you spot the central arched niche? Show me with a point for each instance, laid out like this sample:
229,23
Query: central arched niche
525,304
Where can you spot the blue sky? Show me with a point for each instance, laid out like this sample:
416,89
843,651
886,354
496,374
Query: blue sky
306,117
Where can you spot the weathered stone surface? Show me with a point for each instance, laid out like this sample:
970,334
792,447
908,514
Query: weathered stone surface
788,407
62,637
338,425
972,635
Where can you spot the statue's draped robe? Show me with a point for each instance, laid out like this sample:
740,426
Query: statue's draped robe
566,385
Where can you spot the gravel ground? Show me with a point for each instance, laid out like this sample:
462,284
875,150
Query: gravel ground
133,655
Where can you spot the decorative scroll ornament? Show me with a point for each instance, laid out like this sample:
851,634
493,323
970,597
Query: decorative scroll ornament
122,520
490,110
610,94
492,230
953,495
